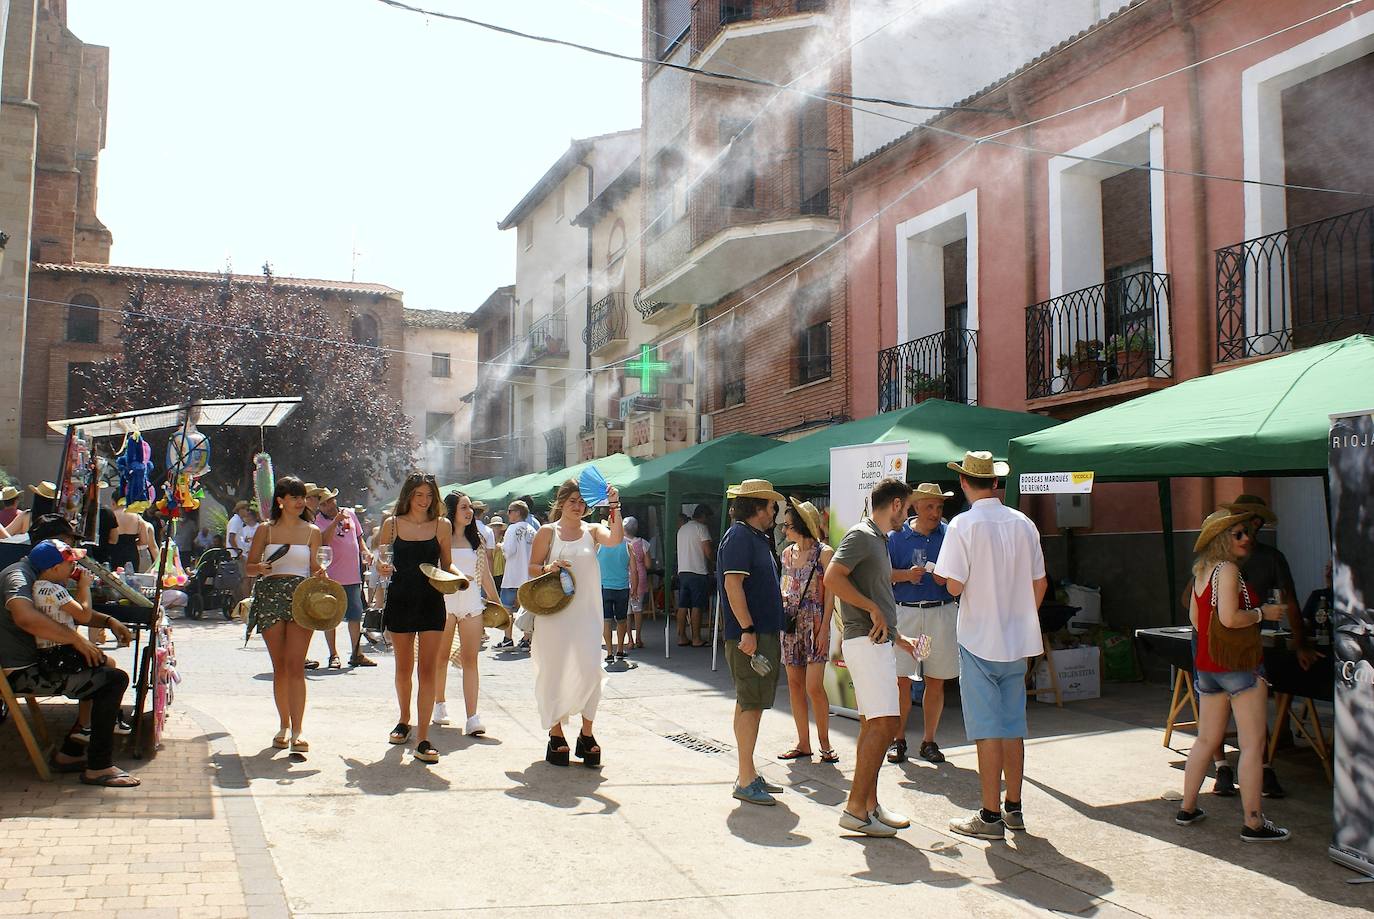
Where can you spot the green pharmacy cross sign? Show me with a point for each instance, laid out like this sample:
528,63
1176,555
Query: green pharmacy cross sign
648,368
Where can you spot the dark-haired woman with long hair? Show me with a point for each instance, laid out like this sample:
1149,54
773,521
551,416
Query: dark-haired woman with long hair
471,559
419,534
283,553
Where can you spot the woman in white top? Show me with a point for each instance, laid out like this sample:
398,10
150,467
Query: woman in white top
567,645
283,553
464,608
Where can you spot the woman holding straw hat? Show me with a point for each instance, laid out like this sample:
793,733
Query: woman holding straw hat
1229,669
464,607
806,632
567,646
282,555
419,535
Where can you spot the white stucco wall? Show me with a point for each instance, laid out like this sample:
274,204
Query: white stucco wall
425,393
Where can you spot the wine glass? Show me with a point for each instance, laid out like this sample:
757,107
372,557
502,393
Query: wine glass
384,557
324,556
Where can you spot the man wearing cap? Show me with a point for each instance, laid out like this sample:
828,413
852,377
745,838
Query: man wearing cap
341,531
752,602
924,607
860,577
38,616
992,561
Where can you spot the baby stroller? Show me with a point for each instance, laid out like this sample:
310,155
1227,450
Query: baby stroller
213,585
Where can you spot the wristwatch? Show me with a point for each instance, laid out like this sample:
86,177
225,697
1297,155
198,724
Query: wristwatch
748,629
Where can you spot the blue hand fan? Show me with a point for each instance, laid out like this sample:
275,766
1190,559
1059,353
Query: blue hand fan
592,484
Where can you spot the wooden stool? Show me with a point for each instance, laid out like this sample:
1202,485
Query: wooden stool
1048,655
1183,695
28,731
1306,723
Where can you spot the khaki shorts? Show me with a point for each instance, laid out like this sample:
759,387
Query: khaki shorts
753,692
939,622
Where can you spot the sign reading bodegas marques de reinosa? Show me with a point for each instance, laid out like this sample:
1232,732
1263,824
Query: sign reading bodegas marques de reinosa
1056,483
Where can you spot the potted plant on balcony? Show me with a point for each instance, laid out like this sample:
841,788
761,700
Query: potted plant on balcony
1083,365
921,386
1133,353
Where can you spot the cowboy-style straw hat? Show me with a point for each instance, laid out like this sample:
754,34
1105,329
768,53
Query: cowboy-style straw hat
319,491
44,490
1218,522
318,604
811,516
929,490
8,493
979,464
494,615
544,594
446,582
1253,506
754,488
496,522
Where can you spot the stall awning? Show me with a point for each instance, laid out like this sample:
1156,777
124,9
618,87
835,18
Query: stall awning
939,431
694,470
252,413
542,485
1266,418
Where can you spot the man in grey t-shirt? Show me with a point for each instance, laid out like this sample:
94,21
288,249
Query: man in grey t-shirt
860,577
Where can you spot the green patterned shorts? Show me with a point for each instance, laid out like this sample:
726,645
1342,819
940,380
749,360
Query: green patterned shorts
272,600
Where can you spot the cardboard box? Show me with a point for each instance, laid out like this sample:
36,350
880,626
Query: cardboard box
1080,674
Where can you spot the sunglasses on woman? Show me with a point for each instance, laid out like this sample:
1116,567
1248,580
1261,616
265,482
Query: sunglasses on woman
416,477
1242,533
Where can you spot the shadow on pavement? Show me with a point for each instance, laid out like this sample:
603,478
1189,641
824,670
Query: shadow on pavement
390,775
896,861
958,786
561,787
766,826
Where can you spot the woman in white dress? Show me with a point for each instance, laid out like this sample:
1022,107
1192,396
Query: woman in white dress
464,608
567,645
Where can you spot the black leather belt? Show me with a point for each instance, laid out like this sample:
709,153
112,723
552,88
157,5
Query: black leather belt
926,604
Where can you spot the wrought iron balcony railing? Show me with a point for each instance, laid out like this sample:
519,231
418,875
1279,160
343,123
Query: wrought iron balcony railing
646,308
1301,286
1099,335
933,366
607,323
548,337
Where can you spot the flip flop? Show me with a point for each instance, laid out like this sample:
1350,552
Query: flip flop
56,766
684,644
796,753
120,779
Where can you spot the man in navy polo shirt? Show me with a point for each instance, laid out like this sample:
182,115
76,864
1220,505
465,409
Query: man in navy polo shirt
747,572
924,607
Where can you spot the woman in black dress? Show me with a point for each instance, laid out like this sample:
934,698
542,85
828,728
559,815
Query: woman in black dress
418,533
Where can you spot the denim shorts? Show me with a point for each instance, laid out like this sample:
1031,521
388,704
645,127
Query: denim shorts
615,603
354,594
1231,682
993,696
508,599
694,590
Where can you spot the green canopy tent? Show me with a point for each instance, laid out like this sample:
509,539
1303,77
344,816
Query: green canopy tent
617,467
479,487
939,431
1268,418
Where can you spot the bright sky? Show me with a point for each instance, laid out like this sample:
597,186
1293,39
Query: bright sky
283,130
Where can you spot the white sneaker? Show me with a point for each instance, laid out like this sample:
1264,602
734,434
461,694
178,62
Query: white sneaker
440,713
868,826
474,726
892,818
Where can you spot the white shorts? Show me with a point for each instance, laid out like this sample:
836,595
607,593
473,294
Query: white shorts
874,672
940,623
455,605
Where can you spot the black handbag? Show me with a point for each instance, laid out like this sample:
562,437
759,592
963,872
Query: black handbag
789,624
372,619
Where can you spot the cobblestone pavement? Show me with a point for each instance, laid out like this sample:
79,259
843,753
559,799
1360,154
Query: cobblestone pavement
227,826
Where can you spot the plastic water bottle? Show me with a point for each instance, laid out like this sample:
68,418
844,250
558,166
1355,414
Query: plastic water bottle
565,578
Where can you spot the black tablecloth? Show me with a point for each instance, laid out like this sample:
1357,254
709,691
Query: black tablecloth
137,616
1174,645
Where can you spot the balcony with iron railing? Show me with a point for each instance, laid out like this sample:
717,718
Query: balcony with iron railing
1302,286
942,365
760,38
547,339
608,324
1106,334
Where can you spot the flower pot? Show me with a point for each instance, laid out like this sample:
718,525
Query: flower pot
1133,364
1085,374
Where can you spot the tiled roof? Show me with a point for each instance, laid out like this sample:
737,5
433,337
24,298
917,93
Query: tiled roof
214,277
437,319
556,173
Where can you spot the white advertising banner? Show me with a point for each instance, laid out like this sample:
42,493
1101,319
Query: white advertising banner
1056,483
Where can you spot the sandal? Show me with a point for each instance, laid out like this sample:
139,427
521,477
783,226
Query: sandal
56,765
117,779
335,663
426,753
279,739
796,753
610,658
299,746
557,754
400,733
683,643
312,665
829,756
591,758
897,752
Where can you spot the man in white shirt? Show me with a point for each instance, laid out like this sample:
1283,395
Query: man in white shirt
516,545
479,510
694,553
992,561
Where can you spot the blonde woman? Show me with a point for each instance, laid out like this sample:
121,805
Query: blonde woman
418,534
1222,544
567,647
472,559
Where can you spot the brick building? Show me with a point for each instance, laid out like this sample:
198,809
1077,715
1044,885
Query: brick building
494,447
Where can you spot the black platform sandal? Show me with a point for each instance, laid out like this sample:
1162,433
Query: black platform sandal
590,758
557,754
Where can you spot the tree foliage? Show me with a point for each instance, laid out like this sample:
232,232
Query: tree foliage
245,339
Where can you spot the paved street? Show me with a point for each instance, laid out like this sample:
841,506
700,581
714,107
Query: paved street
226,826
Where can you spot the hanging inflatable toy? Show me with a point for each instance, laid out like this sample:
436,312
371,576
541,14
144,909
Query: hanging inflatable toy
188,451
264,482
135,465
179,497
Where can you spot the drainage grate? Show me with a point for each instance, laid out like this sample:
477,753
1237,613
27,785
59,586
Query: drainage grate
693,742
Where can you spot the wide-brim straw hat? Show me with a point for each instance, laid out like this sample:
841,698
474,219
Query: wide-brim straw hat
1217,522
44,490
496,522
1253,506
479,507
324,494
979,464
318,604
929,490
754,488
8,493
544,594
446,582
494,615
808,513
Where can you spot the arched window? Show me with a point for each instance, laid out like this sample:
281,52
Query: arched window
365,331
83,319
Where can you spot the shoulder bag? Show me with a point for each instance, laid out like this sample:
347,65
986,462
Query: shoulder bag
1235,649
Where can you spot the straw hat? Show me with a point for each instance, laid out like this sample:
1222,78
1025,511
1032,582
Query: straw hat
446,582
544,594
319,604
754,488
8,493
319,491
496,522
1218,522
310,487
929,490
808,513
1253,506
44,490
479,507
494,615
979,464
